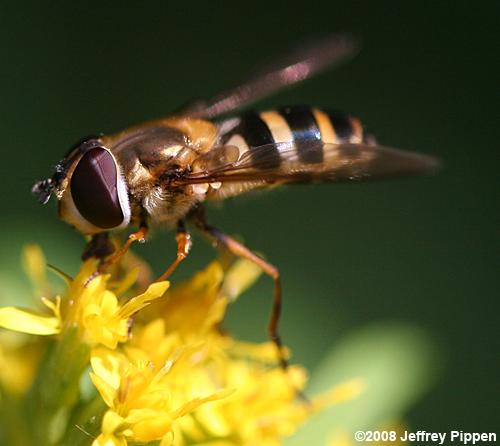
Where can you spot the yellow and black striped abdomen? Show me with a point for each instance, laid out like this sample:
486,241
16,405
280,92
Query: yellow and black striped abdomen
308,128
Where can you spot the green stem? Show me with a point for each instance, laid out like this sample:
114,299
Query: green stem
85,424
14,425
56,389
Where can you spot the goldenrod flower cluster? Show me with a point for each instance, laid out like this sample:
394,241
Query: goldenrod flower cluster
116,367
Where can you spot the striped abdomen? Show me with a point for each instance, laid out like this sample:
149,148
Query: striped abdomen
307,127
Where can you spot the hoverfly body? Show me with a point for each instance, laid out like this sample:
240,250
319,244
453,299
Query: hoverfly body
161,172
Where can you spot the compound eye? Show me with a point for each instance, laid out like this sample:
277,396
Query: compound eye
94,189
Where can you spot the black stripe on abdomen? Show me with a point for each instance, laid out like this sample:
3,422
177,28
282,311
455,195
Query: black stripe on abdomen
256,133
306,133
341,124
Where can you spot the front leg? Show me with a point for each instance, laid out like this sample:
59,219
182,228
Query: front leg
97,245
184,244
139,236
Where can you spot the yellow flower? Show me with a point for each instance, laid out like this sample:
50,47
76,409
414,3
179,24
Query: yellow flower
89,307
138,394
178,358
174,377
102,319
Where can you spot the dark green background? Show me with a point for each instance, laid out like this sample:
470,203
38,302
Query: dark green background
420,250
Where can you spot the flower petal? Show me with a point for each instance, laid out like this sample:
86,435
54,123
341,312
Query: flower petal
106,364
240,277
54,306
154,291
109,440
35,266
27,321
342,392
153,427
196,402
111,422
107,391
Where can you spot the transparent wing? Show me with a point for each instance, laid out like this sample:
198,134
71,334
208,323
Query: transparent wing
301,63
284,163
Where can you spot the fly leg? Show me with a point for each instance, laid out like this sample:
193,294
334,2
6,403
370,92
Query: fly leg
100,247
183,247
242,251
184,244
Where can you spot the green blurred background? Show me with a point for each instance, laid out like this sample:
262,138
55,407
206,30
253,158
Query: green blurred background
421,251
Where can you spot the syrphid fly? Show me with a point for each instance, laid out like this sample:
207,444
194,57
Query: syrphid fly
160,173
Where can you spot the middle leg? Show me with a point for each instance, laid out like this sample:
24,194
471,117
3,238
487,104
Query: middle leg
184,244
240,250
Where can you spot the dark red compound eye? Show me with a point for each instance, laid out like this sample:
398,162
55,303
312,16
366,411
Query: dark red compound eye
94,189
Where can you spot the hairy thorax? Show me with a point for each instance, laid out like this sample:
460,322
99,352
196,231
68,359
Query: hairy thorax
151,157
